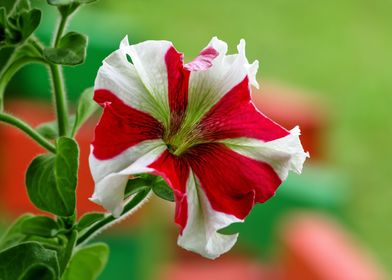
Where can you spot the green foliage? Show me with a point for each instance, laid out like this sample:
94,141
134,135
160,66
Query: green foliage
50,130
51,179
148,181
86,107
161,189
14,234
71,50
88,220
17,25
28,260
39,226
68,2
87,262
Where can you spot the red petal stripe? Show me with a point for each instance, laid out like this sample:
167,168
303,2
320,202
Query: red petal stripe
232,182
175,171
235,116
178,81
121,126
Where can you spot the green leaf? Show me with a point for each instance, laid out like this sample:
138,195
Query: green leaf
68,2
60,2
38,271
24,260
139,183
71,50
28,22
49,130
88,220
14,234
20,6
86,107
86,1
3,22
51,179
87,263
40,226
161,189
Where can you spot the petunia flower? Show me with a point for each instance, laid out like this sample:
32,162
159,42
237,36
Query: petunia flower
195,125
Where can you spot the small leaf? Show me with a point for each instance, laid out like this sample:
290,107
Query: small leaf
20,6
88,220
14,234
86,1
39,271
40,226
49,130
71,50
3,22
68,2
87,263
25,259
161,189
28,22
51,179
60,2
86,107
139,183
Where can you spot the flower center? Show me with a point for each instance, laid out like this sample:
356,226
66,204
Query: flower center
181,140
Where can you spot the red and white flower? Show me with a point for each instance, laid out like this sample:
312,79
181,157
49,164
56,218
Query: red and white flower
195,125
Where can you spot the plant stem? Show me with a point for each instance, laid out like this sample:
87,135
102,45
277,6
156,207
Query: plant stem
26,128
60,30
71,240
10,71
58,84
105,222
60,99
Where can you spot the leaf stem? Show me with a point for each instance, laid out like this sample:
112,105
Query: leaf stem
105,222
58,84
26,128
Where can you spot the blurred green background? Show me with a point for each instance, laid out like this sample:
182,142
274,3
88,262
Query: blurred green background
338,51
341,50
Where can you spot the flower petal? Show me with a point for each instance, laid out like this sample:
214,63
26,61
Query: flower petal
214,187
207,87
232,182
120,77
235,116
198,221
149,59
178,80
284,154
175,171
111,175
201,231
121,126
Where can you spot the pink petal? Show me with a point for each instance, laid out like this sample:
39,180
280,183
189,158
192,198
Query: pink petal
203,61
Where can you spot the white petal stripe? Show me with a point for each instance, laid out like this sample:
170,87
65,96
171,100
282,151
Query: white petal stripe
207,87
283,155
111,175
200,233
140,86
